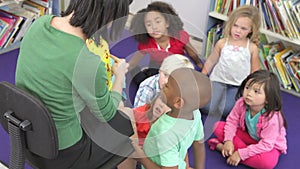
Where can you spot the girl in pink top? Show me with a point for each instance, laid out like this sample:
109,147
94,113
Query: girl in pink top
254,133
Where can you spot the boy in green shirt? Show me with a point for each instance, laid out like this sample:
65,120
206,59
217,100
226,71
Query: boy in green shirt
174,132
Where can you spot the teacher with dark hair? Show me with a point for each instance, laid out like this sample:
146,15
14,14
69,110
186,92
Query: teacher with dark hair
55,65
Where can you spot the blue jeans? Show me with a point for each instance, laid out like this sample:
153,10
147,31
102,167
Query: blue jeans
222,99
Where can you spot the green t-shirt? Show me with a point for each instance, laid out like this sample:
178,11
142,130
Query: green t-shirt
169,138
251,123
57,68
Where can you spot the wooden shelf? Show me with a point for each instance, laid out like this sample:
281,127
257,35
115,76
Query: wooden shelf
218,16
10,48
292,92
280,37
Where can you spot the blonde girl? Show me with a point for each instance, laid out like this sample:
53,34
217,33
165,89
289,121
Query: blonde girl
234,57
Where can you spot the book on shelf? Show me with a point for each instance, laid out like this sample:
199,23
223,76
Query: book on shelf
29,5
294,29
263,60
269,15
277,60
248,2
44,3
227,7
270,50
262,52
295,18
235,4
291,72
208,47
288,30
277,22
17,16
28,16
12,34
223,6
214,34
282,17
242,2
266,21
294,61
19,20
295,2
3,27
272,68
11,20
47,4
218,5
280,67
255,3
5,2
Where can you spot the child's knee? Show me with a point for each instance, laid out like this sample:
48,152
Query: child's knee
219,128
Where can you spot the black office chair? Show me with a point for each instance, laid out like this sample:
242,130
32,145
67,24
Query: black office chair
29,124
32,129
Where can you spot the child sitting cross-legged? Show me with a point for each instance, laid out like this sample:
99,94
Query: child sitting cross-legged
254,133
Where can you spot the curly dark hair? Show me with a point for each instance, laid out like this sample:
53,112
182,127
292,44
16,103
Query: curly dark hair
138,28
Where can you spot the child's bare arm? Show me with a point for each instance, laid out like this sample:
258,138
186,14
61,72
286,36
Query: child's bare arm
228,148
199,154
213,57
191,51
186,159
255,61
135,60
234,159
140,156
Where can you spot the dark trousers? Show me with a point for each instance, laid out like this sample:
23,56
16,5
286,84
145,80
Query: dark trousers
102,146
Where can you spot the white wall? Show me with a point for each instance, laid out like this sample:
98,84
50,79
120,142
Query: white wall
194,13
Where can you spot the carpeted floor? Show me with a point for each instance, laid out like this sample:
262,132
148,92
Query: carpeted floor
125,49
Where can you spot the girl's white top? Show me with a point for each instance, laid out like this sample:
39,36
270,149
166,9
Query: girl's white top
234,65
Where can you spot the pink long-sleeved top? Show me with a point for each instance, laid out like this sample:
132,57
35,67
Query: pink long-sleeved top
270,130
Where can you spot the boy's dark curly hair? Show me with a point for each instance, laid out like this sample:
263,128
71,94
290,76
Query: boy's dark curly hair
138,28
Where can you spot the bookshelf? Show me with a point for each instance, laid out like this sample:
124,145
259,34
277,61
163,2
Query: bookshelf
262,30
7,2
10,48
215,17
51,6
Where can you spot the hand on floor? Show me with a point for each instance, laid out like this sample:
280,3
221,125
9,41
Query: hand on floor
234,159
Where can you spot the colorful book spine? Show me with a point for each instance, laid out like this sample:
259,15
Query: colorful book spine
293,76
280,68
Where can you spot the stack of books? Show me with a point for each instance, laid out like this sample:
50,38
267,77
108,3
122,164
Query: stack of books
16,18
285,62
